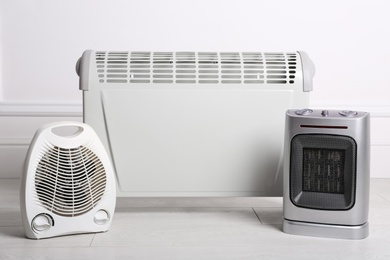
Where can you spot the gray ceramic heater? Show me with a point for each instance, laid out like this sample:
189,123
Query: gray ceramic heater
327,173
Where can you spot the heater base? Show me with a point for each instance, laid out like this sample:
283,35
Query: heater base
325,230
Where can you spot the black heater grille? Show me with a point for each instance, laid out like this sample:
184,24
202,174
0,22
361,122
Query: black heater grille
323,171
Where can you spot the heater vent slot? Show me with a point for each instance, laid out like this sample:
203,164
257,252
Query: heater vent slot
69,182
196,67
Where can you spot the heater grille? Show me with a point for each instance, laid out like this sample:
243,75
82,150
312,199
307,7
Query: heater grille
196,67
69,181
323,171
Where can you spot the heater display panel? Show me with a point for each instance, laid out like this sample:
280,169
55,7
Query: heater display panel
323,170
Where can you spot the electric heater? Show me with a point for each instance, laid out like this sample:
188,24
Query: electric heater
327,173
68,184
194,123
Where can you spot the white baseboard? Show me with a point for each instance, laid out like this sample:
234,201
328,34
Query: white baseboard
15,136
19,121
41,109
75,108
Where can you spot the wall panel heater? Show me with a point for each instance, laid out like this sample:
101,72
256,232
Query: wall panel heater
194,123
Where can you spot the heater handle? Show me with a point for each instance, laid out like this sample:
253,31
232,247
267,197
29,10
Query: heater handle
308,71
83,69
65,129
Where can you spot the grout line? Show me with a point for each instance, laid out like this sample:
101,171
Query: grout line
257,216
93,238
382,197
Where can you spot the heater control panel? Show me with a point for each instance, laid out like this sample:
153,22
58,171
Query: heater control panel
318,113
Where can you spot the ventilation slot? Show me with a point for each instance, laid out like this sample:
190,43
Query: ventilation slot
196,67
253,68
185,67
208,67
140,67
230,68
280,68
162,67
69,182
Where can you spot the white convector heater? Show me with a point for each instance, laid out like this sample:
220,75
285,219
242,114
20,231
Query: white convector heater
194,123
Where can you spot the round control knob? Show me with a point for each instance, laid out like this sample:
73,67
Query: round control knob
101,217
348,113
304,112
325,113
41,223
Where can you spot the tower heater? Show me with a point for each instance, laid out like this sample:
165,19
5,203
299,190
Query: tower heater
327,173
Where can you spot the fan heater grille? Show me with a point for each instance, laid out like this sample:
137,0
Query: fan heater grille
69,181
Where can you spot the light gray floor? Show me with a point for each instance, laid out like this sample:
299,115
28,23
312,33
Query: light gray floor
195,228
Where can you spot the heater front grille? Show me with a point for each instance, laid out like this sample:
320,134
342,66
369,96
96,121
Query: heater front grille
69,181
323,171
196,67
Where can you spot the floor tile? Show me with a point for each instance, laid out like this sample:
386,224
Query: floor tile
377,201
184,216
9,190
10,217
13,237
199,202
195,228
270,215
379,215
182,227
381,187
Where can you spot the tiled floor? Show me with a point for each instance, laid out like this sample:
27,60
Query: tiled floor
195,228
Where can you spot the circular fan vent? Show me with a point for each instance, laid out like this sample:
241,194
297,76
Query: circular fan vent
70,182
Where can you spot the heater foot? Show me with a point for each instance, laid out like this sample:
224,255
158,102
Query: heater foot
325,230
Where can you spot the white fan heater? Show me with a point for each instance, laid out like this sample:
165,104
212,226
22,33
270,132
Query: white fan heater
68,184
194,123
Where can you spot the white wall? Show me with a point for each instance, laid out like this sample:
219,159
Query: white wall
41,40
